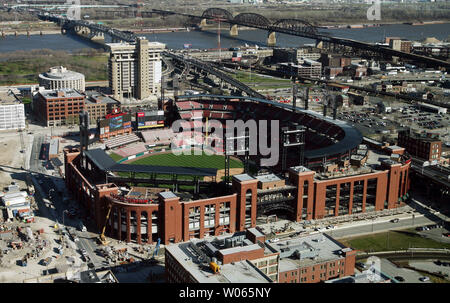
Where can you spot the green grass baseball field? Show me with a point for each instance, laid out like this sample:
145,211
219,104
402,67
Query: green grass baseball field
202,161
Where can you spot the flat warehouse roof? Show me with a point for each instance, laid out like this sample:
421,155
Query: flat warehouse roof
104,162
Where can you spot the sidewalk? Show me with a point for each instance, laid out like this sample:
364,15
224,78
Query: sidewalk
285,227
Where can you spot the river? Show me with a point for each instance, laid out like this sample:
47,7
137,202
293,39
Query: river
209,39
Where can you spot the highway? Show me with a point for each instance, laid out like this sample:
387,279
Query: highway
368,227
437,173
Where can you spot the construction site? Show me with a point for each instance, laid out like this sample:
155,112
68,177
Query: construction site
43,238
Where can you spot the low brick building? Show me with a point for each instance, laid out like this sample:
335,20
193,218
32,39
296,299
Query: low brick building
303,259
58,107
62,106
426,146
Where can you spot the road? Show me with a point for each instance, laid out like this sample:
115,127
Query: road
45,183
14,87
368,227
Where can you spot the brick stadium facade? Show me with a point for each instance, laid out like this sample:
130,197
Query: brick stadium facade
173,220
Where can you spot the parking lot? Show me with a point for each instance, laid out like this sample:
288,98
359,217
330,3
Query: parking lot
411,115
368,122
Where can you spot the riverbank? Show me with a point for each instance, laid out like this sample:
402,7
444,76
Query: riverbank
364,25
148,30
24,67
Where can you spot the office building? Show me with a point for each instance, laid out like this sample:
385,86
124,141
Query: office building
305,68
60,77
58,107
134,69
302,259
99,105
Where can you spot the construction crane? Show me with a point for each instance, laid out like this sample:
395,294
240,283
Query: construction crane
102,238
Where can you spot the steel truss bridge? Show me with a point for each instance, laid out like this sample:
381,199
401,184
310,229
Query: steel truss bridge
69,24
303,28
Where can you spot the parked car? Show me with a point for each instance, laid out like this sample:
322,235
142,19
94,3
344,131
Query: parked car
424,279
362,265
396,220
399,278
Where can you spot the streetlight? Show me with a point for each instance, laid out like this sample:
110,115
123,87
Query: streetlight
64,212
50,193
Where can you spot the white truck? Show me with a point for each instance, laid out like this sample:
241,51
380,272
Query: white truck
81,226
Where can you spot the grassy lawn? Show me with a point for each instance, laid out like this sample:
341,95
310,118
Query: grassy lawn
260,82
116,157
203,161
27,69
170,159
398,240
26,100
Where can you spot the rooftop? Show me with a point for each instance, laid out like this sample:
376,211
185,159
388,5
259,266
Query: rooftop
255,232
364,277
233,250
7,98
243,177
345,172
189,256
54,146
168,195
145,192
129,46
307,250
300,169
268,178
425,136
66,93
94,97
60,72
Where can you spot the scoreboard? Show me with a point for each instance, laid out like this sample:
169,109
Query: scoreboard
150,119
114,122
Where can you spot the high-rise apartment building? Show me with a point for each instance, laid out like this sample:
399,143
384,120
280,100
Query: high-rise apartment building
135,69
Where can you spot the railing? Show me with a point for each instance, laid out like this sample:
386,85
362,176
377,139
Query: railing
131,200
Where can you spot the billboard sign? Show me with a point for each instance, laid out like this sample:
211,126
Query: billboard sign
115,123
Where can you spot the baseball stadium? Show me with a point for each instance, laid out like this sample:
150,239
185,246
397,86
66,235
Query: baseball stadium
162,179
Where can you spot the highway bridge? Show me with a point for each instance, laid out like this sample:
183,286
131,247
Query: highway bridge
438,173
401,96
119,35
69,24
303,28
216,72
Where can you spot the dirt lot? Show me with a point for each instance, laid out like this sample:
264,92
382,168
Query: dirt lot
11,159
